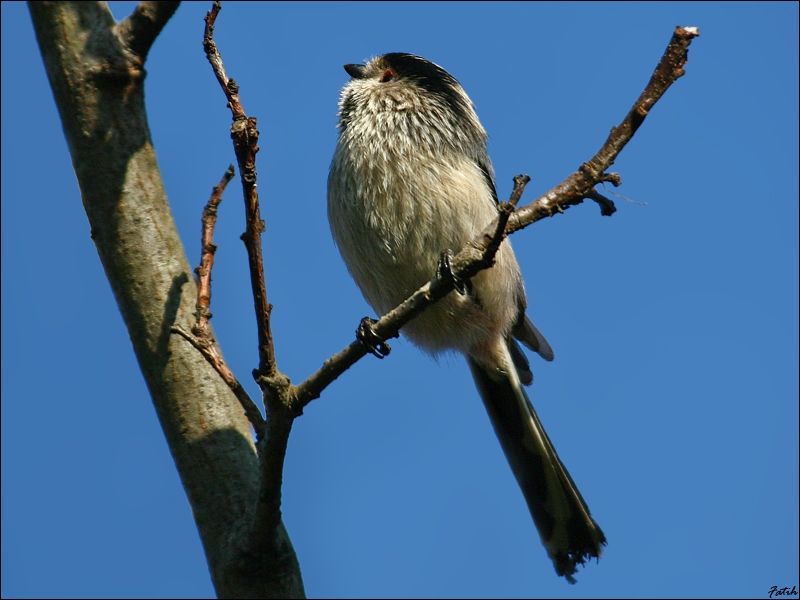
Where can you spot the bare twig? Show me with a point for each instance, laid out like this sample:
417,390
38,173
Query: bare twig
245,141
214,57
208,248
201,337
577,186
141,28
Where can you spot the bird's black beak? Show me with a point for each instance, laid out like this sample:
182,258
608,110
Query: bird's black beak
356,71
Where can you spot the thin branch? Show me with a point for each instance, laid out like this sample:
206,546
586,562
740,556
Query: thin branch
473,257
201,337
208,249
141,28
245,141
577,186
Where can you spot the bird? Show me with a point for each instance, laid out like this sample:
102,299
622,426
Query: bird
411,179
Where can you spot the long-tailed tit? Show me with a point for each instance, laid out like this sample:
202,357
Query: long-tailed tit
410,179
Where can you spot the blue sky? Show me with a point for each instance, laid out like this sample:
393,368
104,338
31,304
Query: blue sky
673,399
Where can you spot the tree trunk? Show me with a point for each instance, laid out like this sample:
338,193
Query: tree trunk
95,69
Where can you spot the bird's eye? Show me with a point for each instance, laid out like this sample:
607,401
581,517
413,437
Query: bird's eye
388,75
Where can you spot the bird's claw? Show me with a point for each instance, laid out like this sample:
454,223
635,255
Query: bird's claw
445,272
374,344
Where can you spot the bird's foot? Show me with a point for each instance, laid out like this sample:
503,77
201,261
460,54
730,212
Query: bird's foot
374,343
445,272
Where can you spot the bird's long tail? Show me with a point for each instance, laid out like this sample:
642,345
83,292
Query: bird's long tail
568,532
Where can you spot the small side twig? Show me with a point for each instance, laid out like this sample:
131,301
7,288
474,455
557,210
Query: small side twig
607,207
207,252
201,337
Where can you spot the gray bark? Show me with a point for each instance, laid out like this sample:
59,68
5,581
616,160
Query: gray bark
95,69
